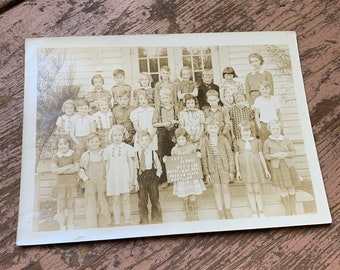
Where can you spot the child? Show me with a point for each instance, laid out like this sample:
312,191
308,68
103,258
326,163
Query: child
82,126
186,86
119,77
267,107
65,166
103,121
280,151
92,172
149,170
229,87
64,122
249,163
121,114
187,188
253,79
218,166
192,119
120,173
144,81
204,87
165,83
239,113
218,112
165,120
93,97
142,119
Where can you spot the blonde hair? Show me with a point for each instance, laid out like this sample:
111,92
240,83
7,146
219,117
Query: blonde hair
69,102
145,74
119,128
97,76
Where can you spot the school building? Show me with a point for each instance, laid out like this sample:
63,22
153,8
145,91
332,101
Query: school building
82,63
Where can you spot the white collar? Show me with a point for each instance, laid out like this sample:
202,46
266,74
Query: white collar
280,138
67,154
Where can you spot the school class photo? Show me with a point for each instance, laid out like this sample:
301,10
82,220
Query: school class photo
150,135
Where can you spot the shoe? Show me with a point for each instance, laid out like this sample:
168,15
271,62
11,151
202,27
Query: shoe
164,185
261,214
228,214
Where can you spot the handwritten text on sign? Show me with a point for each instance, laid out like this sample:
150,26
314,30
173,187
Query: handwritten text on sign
183,168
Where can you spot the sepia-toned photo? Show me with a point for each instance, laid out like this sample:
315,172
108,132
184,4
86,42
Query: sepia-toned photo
133,136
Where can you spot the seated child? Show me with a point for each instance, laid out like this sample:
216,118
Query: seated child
121,114
64,122
103,121
82,126
219,113
142,119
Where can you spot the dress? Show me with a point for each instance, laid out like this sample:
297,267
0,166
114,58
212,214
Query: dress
237,116
283,173
64,124
191,121
228,89
185,188
118,170
67,184
250,163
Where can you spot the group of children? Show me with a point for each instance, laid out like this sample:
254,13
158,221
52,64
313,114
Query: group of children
117,141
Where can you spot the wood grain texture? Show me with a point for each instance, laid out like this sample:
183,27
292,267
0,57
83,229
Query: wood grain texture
317,26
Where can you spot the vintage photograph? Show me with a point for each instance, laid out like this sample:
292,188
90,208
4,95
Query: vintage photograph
133,136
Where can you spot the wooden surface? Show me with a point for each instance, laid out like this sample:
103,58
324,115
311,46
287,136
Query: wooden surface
317,26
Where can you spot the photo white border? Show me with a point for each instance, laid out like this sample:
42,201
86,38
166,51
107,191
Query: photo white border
25,234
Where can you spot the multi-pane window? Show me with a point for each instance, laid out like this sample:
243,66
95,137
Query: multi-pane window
151,60
198,59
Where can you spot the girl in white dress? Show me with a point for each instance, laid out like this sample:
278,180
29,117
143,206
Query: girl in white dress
120,173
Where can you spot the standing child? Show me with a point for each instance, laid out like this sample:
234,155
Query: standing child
221,114
218,166
64,122
93,97
229,87
92,172
65,166
103,121
280,151
149,170
192,119
206,85
253,79
82,126
186,188
121,114
119,77
142,119
167,84
165,120
186,86
144,81
249,167
120,173
239,113
267,107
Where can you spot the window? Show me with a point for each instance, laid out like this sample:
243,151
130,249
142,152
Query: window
151,60
198,59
